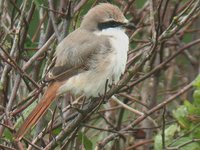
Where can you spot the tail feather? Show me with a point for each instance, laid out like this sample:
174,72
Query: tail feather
39,110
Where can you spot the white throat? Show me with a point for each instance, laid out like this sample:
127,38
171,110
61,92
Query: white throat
120,45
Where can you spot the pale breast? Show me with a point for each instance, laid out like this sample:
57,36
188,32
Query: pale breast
120,43
92,82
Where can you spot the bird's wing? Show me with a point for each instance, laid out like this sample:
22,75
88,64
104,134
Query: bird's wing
74,54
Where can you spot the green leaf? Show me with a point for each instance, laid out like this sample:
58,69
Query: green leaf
196,130
196,96
57,130
192,109
170,131
158,142
196,82
169,135
38,3
8,135
85,141
180,114
191,146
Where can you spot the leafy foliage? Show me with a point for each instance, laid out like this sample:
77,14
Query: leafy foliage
85,141
163,58
187,127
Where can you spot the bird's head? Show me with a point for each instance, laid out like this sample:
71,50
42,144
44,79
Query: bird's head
104,16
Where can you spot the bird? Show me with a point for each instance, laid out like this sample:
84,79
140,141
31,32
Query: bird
84,61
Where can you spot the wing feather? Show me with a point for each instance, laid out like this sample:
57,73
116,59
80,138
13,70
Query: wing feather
74,54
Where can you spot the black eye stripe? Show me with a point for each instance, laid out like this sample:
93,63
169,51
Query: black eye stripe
109,24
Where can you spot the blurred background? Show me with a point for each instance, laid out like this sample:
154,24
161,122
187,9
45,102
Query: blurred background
155,104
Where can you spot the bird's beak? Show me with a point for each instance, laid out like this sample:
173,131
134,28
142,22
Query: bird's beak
130,26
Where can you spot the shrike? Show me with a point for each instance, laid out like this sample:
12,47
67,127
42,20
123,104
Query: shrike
86,59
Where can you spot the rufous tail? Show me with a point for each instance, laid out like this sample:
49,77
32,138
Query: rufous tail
39,110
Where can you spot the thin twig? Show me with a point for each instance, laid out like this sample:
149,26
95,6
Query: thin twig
127,107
